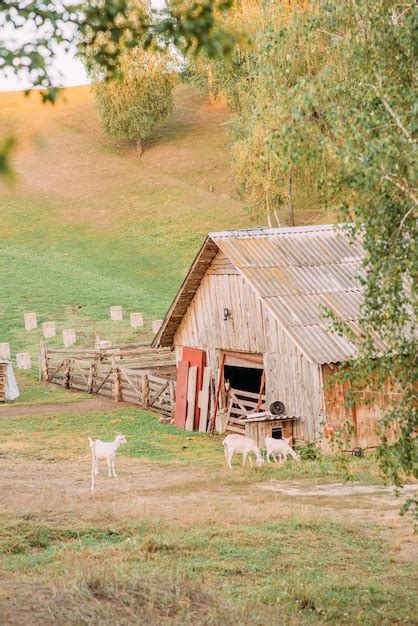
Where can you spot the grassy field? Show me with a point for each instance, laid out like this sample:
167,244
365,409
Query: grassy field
90,224
177,539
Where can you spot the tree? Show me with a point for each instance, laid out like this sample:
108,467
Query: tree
131,107
353,110
371,110
257,81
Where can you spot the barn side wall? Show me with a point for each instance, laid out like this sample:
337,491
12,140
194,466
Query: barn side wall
364,416
290,376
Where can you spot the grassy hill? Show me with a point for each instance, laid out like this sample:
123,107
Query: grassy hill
90,224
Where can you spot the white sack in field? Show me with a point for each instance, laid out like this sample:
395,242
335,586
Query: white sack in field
12,390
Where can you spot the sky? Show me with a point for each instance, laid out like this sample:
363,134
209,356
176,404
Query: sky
67,70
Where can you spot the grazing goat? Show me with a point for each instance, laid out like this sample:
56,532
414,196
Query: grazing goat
280,448
242,445
105,450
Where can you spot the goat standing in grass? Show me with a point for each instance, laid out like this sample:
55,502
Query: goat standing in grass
280,448
104,450
243,445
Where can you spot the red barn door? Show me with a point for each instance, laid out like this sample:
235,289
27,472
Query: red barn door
196,357
181,394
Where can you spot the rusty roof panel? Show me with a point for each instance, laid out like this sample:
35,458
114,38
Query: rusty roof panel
281,281
319,246
308,310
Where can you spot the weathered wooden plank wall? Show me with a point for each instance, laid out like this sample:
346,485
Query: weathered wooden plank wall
364,415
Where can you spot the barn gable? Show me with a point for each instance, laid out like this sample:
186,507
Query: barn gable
296,272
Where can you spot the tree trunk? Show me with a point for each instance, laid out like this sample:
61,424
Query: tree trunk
210,86
268,209
291,212
139,147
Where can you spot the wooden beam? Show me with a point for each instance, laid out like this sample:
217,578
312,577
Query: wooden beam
204,399
191,397
218,389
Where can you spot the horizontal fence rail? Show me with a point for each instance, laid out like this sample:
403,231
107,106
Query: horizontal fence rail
136,374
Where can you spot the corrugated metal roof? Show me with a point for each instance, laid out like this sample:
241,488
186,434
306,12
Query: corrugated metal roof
298,272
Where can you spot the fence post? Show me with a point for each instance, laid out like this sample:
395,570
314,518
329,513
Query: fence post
67,374
43,363
145,390
171,388
92,376
116,382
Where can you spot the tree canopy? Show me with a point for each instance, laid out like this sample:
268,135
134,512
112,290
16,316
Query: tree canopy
132,106
108,26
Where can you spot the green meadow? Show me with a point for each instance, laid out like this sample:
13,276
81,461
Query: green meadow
89,224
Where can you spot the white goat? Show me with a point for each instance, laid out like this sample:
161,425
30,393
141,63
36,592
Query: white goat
243,445
105,450
280,448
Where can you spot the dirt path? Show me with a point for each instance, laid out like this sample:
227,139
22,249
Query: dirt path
182,494
85,406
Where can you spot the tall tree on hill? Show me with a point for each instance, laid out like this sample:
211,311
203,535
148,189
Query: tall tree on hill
132,106
256,81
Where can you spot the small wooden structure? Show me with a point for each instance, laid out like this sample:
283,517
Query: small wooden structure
243,417
253,305
3,379
136,374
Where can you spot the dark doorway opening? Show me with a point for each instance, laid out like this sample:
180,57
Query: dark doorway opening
243,378
277,433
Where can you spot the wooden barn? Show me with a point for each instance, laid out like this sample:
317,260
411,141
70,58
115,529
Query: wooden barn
249,314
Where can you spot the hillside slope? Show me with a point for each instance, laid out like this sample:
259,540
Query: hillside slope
90,224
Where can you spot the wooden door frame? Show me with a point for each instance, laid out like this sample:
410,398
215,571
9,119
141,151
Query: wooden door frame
249,359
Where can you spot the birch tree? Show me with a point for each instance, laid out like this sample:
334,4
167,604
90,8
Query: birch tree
131,107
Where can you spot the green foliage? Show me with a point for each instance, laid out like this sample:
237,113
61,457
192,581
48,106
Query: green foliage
132,106
309,452
258,82
363,95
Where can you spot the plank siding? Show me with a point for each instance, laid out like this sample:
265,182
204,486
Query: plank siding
364,415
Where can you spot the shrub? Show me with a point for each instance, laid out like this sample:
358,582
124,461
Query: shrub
309,452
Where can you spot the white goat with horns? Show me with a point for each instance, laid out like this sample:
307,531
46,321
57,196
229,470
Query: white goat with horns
104,450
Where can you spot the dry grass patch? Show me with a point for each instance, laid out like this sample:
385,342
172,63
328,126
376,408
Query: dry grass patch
292,571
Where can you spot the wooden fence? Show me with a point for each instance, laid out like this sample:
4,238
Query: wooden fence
136,374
